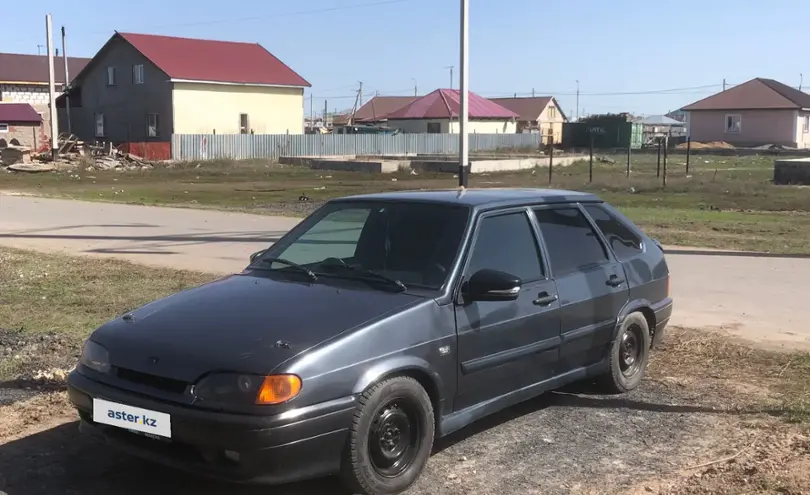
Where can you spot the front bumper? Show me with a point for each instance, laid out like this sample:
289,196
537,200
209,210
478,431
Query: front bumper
292,446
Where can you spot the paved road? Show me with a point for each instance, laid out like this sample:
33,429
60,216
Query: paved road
759,298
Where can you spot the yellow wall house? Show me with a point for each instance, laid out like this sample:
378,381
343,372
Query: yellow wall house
540,114
437,113
142,88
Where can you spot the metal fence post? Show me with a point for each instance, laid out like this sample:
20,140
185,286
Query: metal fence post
550,159
590,164
658,167
666,145
628,161
688,152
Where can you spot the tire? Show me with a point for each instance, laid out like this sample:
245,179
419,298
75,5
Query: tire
629,355
393,417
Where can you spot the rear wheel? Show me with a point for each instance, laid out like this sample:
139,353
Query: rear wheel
390,438
629,355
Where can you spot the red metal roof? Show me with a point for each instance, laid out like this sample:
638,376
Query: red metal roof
214,61
445,104
16,67
756,94
380,106
19,112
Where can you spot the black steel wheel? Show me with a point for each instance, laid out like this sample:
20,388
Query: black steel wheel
629,355
390,439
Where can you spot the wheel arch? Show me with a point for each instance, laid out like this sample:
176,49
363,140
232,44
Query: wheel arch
642,306
411,367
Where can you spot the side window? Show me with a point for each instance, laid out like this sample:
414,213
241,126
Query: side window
571,242
624,242
507,243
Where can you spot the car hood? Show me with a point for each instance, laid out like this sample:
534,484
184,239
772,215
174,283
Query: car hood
236,324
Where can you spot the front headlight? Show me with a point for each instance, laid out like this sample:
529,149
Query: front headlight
233,388
95,357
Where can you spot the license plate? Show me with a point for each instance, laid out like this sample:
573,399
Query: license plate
132,418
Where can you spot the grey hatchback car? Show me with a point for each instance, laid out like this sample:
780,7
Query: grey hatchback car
375,326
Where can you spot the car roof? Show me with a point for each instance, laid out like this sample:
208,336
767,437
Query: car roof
481,198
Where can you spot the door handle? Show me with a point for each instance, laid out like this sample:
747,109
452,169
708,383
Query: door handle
544,299
615,281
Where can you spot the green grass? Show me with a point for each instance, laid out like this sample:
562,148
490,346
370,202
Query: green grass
42,293
724,202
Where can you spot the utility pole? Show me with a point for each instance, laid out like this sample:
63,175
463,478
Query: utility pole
325,111
532,92
464,150
451,67
51,89
801,81
66,87
360,93
724,84
415,87
577,99
39,49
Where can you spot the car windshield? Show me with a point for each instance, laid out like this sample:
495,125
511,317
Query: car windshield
408,242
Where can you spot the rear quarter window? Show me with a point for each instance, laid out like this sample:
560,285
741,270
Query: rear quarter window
621,238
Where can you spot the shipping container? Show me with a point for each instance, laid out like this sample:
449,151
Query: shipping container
605,134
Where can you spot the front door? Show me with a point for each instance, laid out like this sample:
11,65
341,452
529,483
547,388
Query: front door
507,345
591,285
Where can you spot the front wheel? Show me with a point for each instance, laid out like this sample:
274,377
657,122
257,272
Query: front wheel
629,355
390,438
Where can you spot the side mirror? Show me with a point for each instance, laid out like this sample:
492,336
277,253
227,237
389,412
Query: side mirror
492,285
256,255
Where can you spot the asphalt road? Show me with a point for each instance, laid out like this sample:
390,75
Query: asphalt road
755,297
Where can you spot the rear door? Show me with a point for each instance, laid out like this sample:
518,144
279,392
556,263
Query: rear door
507,345
590,283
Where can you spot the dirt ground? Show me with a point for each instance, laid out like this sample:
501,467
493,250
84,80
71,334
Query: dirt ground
712,417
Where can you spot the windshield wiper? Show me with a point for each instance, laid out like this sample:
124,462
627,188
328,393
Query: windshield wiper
366,273
281,261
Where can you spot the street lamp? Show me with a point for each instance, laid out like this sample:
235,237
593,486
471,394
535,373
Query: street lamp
464,150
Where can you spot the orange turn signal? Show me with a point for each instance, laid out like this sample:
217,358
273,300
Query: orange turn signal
277,389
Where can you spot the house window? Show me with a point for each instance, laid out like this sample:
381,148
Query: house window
3,127
152,125
99,125
552,112
733,123
110,76
806,126
244,128
434,128
137,74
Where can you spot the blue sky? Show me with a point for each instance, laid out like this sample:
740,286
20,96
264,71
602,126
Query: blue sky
619,46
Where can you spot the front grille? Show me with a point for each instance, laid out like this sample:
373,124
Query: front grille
157,382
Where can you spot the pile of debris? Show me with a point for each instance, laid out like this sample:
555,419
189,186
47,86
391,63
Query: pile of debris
71,154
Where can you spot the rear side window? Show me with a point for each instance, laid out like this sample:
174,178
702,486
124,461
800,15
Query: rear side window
624,242
571,242
507,243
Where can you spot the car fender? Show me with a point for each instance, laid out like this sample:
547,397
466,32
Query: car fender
631,307
393,366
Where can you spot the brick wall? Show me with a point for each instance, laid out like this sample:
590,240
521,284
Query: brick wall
37,97
30,136
24,93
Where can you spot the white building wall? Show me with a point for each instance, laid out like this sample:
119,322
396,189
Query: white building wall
24,93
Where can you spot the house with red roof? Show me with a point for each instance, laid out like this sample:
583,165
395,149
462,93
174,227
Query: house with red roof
438,113
21,125
758,112
142,88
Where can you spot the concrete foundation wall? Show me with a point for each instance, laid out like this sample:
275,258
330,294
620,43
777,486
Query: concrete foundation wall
792,172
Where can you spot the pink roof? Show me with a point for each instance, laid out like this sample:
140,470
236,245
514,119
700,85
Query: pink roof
18,112
445,104
214,61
